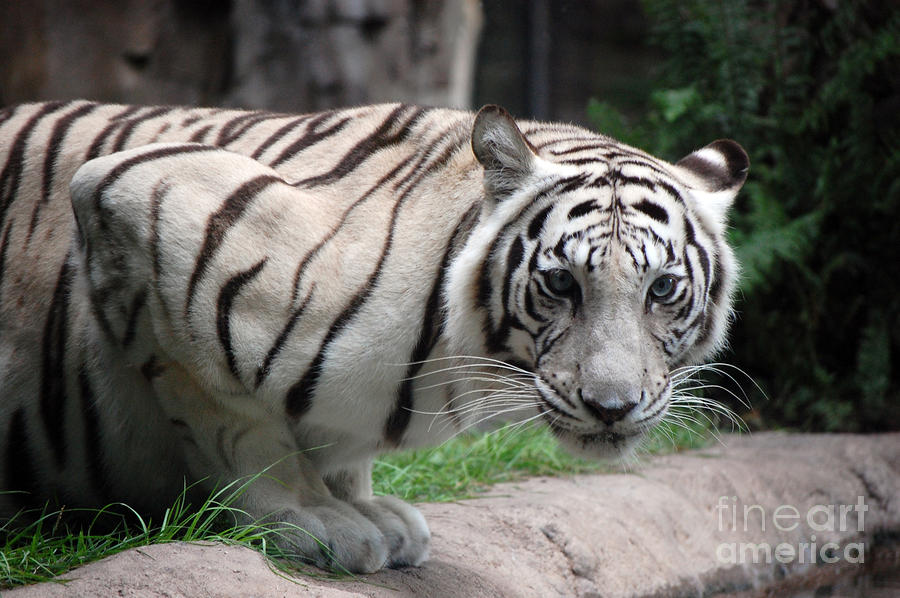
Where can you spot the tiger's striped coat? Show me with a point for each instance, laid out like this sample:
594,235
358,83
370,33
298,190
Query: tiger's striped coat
223,292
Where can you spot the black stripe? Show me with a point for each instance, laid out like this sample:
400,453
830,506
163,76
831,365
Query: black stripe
156,198
57,137
4,246
274,137
485,282
430,331
704,265
597,182
670,253
582,209
259,118
128,128
691,240
193,119
530,308
19,471
715,298
572,183
643,164
311,137
634,181
634,259
160,191
716,288
582,161
653,210
672,191
237,126
546,345
299,396
689,270
11,176
559,249
8,113
514,259
555,131
223,311
279,343
53,366
151,369
382,138
537,223
115,123
582,148
161,131
92,437
533,260
140,300
646,265
200,134
218,224
496,337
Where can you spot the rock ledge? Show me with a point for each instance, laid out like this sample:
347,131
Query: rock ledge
672,527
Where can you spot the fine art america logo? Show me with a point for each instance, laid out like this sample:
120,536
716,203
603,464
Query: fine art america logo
824,520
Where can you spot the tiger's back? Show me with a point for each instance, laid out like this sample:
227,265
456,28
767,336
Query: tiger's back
224,290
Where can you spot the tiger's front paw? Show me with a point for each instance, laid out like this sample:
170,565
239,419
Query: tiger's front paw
403,527
361,537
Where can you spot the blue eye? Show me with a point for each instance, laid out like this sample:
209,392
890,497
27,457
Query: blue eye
662,287
560,281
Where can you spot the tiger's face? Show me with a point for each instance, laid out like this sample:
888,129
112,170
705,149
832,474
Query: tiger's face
605,269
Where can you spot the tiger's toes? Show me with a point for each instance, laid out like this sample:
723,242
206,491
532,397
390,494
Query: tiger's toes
402,526
361,537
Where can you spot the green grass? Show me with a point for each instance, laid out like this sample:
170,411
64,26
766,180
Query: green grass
39,548
469,465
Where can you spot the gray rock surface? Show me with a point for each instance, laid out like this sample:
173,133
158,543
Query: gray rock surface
665,528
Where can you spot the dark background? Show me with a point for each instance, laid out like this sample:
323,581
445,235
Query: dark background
810,88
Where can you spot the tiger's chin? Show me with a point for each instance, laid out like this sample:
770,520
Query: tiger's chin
604,445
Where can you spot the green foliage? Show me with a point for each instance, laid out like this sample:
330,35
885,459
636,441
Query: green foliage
813,93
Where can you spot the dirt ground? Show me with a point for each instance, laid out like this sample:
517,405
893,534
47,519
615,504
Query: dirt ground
673,526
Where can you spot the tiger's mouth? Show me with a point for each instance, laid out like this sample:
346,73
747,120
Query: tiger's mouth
597,440
596,444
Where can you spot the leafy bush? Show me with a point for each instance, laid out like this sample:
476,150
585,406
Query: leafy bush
812,91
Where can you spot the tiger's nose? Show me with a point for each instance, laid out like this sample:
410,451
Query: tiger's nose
609,407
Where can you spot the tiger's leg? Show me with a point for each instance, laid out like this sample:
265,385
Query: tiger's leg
350,528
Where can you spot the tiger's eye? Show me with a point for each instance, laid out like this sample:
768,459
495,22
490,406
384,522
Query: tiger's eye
560,281
662,287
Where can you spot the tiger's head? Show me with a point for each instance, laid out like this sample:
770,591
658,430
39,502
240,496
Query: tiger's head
597,268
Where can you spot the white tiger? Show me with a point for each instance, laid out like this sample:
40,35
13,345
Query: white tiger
226,291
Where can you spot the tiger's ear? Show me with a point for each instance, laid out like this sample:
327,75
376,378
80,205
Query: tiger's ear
500,147
716,173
